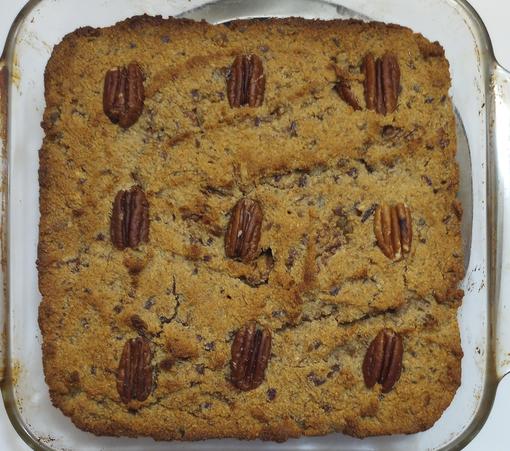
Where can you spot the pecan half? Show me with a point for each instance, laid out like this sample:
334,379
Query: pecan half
382,82
130,219
368,68
383,360
344,91
246,83
123,94
250,355
343,88
243,232
134,376
393,230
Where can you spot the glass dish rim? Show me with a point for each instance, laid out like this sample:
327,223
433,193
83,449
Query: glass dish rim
487,392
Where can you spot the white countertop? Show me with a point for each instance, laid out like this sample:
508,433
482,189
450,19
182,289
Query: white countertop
493,437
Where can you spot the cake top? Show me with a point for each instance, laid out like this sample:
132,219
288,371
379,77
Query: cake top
206,187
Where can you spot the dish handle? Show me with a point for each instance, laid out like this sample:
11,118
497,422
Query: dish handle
499,127
3,200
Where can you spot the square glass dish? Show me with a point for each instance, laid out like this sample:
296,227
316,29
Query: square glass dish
481,95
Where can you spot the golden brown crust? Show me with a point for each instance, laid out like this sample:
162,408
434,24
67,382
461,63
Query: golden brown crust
320,284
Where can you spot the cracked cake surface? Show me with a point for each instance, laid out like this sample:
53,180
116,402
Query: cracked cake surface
138,333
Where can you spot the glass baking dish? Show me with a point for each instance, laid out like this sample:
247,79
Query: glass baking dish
481,95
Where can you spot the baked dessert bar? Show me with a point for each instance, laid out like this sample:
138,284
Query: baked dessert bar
249,230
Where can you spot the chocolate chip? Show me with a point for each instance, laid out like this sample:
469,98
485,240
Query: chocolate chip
132,45
165,39
210,346
353,172
149,303
368,212
426,179
264,48
316,380
293,129
271,394
303,180
278,313
334,291
289,263
334,369
166,364
369,168
205,405
443,143
200,368
339,211
100,237
195,94
389,131
316,344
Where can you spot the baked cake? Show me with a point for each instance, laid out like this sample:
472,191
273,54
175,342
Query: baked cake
249,230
